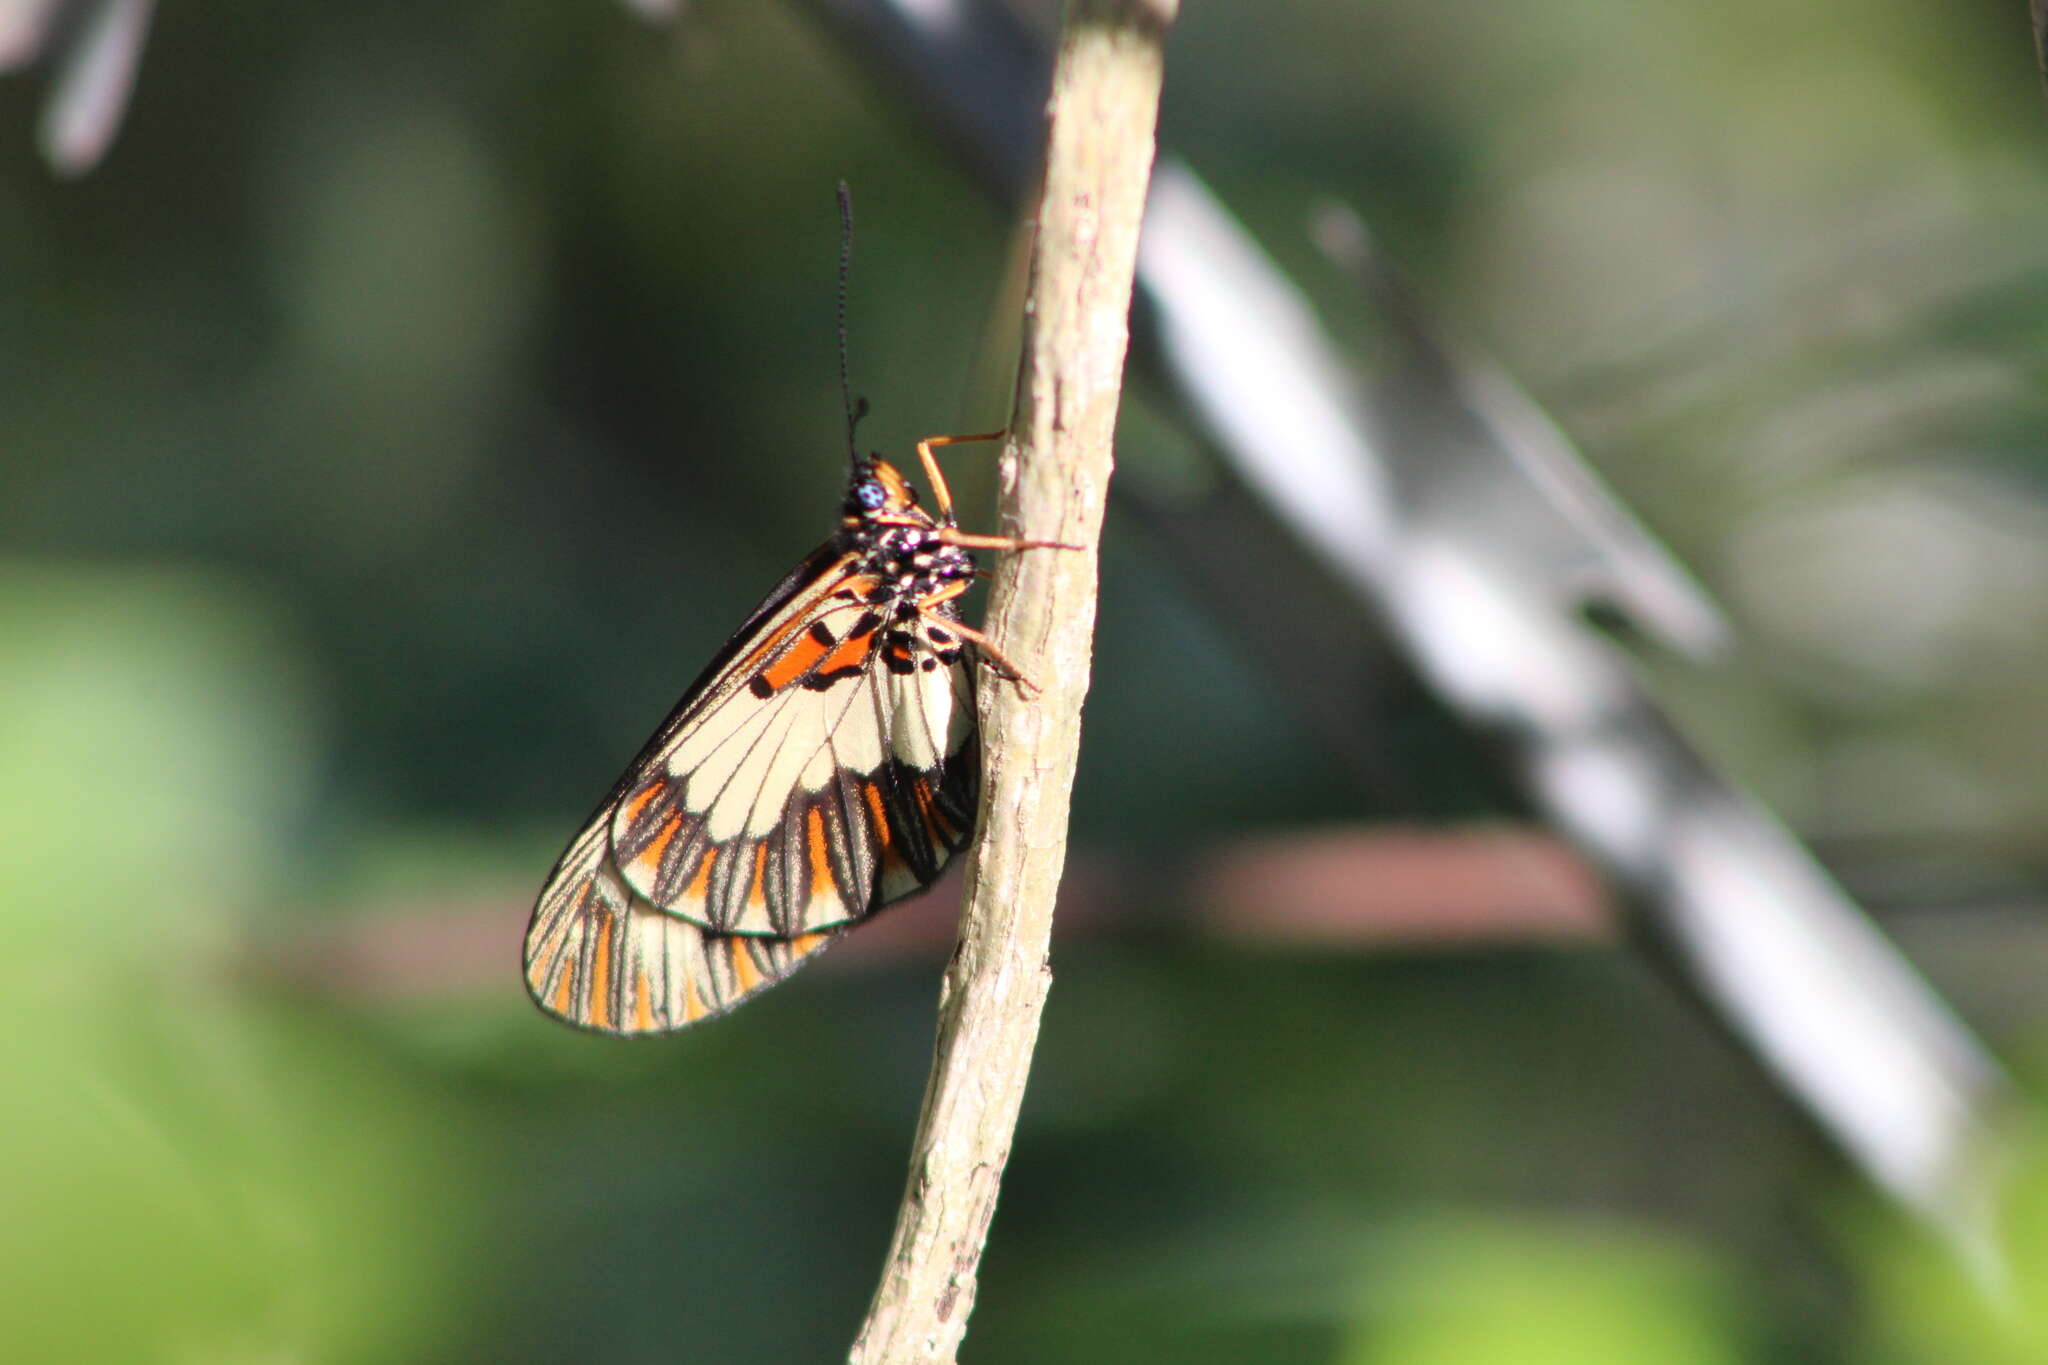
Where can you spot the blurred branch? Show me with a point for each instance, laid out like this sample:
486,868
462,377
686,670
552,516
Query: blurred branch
95,76
1436,503
1104,108
1343,888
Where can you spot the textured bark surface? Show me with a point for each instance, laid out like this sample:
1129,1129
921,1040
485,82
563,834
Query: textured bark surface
1101,121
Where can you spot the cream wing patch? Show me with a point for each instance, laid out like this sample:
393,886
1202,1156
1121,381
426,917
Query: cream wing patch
740,759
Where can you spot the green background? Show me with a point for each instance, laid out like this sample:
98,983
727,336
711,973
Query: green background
419,394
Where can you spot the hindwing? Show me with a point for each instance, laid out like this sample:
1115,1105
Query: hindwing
600,957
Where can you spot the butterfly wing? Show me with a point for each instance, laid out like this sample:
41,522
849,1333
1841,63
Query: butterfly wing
829,770
602,958
824,765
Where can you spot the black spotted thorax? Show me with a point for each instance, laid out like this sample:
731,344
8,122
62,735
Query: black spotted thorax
899,544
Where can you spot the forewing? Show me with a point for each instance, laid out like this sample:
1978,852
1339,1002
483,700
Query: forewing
602,958
831,769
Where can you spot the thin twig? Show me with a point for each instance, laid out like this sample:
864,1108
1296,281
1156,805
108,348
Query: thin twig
1102,116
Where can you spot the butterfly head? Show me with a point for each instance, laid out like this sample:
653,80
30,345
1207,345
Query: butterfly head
878,490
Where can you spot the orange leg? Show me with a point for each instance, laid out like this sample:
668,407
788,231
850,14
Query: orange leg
951,534
996,656
943,594
931,464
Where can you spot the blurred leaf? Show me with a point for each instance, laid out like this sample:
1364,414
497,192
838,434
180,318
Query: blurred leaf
188,1177
1508,1293
1927,1309
154,749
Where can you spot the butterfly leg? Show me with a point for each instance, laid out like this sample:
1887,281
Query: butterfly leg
931,465
987,647
951,535
966,632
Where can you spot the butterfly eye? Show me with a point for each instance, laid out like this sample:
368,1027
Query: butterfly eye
871,494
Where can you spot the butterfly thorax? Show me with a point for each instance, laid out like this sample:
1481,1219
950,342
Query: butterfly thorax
899,544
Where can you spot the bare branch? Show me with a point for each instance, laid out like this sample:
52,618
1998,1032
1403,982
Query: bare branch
1104,109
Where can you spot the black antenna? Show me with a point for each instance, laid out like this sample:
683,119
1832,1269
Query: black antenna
855,410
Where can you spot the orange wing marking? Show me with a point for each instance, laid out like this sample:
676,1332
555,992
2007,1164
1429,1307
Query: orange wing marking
794,663
700,883
601,976
821,857
757,890
802,619
852,653
892,857
872,794
743,968
818,652
639,802
650,856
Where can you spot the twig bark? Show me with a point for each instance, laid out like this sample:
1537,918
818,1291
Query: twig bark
1102,116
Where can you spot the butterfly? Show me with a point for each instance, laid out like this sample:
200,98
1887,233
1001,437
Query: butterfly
825,764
